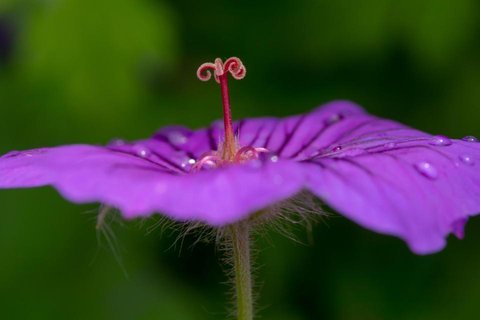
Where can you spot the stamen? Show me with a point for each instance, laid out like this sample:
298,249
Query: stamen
249,153
262,150
246,153
214,160
210,159
220,70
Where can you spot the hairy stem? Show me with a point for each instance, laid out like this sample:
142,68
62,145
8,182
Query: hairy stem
240,237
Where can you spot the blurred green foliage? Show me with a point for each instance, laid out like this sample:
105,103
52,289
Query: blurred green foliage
88,71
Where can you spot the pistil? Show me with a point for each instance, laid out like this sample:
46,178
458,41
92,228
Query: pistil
220,71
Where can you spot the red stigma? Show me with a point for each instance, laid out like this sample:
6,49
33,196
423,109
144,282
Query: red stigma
233,65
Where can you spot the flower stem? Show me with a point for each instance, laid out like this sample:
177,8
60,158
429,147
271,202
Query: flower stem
240,237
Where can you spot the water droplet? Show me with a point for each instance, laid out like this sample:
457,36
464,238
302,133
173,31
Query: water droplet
470,139
440,141
334,118
117,142
337,148
390,145
177,138
274,158
427,169
188,162
268,157
468,160
141,151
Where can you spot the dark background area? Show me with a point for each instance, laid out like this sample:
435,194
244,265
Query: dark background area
89,71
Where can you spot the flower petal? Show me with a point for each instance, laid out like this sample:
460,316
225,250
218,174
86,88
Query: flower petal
139,181
383,175
399,181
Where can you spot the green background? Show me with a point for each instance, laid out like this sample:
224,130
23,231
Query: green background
91,70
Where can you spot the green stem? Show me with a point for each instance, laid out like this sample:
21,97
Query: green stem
240,233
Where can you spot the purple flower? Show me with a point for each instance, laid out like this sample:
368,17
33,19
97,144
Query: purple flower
379,173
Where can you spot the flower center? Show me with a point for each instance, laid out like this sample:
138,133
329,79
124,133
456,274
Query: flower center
229,151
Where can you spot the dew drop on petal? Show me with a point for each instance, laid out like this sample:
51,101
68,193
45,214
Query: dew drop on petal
268,157
188,163
467,159
470,139
440,141
337,148
273,158
390,145
427,169
334,118
141,151
117,142
177,138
